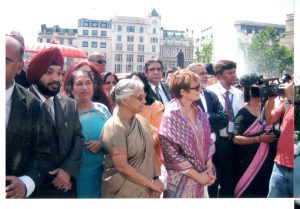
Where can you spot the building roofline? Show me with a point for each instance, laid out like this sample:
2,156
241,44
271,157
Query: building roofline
245,22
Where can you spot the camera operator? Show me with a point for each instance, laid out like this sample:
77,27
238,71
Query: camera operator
281,182
255,145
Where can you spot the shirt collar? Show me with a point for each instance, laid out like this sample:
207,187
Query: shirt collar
40,95
153,86
9,92
223,90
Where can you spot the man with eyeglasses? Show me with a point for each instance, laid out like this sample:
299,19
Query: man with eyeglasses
232,100
209,101
153,70
99,60
21,77
27,147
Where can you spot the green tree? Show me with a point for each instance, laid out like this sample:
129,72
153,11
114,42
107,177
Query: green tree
266,56
204,53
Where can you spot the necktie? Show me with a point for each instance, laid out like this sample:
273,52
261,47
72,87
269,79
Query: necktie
49,105
228,106
157,94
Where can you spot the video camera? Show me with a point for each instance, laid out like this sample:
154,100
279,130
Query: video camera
267,88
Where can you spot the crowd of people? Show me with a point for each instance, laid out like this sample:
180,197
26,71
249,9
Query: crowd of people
86,133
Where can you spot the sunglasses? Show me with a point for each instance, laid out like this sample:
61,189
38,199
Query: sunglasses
197,88
101,62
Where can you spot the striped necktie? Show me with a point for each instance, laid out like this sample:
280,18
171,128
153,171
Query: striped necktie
158,94
228,106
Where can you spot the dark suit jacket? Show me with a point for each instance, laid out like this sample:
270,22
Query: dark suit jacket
216,115
65,137
27,147
166,91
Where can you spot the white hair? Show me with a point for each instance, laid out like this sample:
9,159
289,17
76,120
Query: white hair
124,89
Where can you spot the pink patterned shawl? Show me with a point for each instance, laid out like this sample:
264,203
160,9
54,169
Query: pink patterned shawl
184,146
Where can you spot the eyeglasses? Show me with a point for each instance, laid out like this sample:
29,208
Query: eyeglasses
10,62
197,88
101,62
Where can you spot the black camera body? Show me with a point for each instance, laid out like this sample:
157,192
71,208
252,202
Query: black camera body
265,89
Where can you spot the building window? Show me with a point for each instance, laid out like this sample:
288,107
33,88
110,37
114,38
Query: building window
94,33
119,47
119,28
130,38
129,58
103,25
153,48
94,24
103,33
130,47
119,38
141,39
48,40
130,29
154,30
85,44
102,44
141,29
61,41
86,24
41,40
70,42
94,44
154,40
140,48
140,68
140,58
129,68
85,32
118,57
118,68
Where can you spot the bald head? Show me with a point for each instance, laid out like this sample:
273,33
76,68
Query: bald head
99,60
14,45
14,59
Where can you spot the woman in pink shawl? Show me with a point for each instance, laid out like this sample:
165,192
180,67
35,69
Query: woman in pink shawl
255,147
185,140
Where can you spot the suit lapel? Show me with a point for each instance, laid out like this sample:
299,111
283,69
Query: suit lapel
60,110
209,103
166,91
47,114
17,114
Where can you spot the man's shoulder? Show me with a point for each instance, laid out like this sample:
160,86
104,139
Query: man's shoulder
237,91
65,98
26,94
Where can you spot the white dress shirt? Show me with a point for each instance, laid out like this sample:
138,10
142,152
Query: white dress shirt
161,92
236,96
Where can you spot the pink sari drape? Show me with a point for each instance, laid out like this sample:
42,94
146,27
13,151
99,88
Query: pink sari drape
256,163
